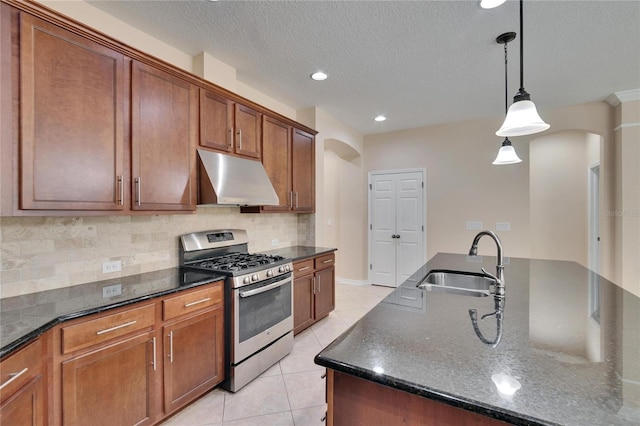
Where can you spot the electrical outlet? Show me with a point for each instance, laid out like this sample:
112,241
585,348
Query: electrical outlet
475,226
111,291
503,226
274,242
108,267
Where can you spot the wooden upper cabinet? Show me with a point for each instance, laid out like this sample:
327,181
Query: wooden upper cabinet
164,129
248,136
216,121
229,127
276,154
303,171
71,120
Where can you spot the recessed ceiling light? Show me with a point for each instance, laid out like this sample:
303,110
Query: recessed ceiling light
380,118
319,76
490,4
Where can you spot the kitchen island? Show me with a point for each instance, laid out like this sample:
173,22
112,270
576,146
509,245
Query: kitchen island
569,352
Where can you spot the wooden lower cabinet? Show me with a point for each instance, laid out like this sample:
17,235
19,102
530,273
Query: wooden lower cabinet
22,387
352,401
194,355
313,290
114,385
138,364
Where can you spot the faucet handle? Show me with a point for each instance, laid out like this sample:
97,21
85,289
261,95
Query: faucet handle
490,275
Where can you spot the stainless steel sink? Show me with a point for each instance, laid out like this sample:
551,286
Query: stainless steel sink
457,282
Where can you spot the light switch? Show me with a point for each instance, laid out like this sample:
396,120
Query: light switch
503,226
475,226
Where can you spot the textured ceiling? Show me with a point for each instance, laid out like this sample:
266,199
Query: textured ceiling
418,62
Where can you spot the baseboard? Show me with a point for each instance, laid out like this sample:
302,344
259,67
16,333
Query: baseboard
352,282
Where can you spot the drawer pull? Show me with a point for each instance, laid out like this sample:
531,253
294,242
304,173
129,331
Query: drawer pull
117,327
13,376
206,299
328,261
304,269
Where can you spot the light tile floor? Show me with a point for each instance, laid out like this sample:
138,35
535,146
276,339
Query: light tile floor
292,391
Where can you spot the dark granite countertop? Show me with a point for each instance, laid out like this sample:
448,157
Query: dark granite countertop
23,318
570,338
296,253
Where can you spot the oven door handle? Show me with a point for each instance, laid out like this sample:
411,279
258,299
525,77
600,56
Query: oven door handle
250,293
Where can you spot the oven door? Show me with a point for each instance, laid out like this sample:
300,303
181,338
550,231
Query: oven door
263,314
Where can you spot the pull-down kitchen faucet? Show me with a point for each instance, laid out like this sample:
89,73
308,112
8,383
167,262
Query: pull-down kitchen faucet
499,277
499,293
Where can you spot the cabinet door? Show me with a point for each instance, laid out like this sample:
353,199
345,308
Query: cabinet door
72,120
303,171
302,303
164,115
111,386
194,358
325,292
247,132
216,121
276,158
25,407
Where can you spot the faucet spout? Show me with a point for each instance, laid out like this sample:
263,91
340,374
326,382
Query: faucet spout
499,277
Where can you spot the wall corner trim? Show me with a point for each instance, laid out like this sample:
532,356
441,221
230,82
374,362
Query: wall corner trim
625,96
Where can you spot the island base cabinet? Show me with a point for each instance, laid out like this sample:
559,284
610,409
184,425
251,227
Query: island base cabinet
194,356
352,401
110,386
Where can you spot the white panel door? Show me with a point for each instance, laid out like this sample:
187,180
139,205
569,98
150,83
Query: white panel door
384,227
409,226
397,226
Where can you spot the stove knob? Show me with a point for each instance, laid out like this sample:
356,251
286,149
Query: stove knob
246,280
287,268
254,277
270,273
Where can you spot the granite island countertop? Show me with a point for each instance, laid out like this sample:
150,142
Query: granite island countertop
23,318
570,338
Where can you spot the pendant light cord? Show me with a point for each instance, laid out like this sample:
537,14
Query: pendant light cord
506,86
521,49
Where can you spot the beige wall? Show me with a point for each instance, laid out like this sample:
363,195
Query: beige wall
462,185
558,183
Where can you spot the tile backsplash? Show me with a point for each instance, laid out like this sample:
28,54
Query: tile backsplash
43,253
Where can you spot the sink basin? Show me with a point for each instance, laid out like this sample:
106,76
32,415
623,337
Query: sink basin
457,282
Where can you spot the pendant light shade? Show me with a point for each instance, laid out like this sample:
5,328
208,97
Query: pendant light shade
522,117
507,154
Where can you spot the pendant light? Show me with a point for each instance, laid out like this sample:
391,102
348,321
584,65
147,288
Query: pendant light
507,153
522,117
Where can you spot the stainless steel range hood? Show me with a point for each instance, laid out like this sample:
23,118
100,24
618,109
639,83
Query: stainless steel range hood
229,180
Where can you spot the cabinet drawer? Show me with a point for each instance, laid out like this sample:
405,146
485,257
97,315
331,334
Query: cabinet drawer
107,327
302,268
325,261
19,368
184,303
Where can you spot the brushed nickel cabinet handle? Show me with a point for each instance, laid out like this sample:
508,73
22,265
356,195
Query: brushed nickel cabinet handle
240,139
318,283
186,305
230,137
117,327
296,199
171,347
120,180
138,179
14,376
314,285
291,199
328,261
154,353
304,269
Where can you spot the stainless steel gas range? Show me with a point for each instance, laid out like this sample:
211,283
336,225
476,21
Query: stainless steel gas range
258,300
